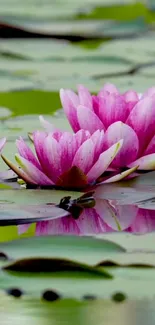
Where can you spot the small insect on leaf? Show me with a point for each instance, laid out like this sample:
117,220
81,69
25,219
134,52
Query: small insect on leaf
76,207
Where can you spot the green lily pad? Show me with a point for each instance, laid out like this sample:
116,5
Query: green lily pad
134,283
40,74
132,243
24,102
32,197
12,83
84,250
41,50
137,82
69,283
118,12
136,52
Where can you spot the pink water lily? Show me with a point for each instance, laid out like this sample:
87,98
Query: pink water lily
129,116
65,160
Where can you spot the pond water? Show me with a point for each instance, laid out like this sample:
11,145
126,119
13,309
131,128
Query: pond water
72,258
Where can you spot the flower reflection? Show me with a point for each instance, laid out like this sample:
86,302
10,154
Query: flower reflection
89,223
106,216
144,222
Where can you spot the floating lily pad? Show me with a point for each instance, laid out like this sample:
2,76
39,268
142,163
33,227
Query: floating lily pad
41,73
24,102
60,9
137,82
86,250
68,283
118,12
29,215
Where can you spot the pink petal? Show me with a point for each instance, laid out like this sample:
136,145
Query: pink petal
69,144
84,156
26,152
42,151
131,99
90,223
84,96
57,227
112,108
81,136
131,96
142,120
145,162
33,172
42,228
109,88
70,101
100,210
88,120
120,176
52,156
151,147
130,147
95,103
56,135
23,228
144,222
2,143
38,139
118,217
68,148
98,141
103,162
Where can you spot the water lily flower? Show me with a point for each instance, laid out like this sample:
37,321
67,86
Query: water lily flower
65,160
129,116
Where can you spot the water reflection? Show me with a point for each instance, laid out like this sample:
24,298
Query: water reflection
106,216
127,206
